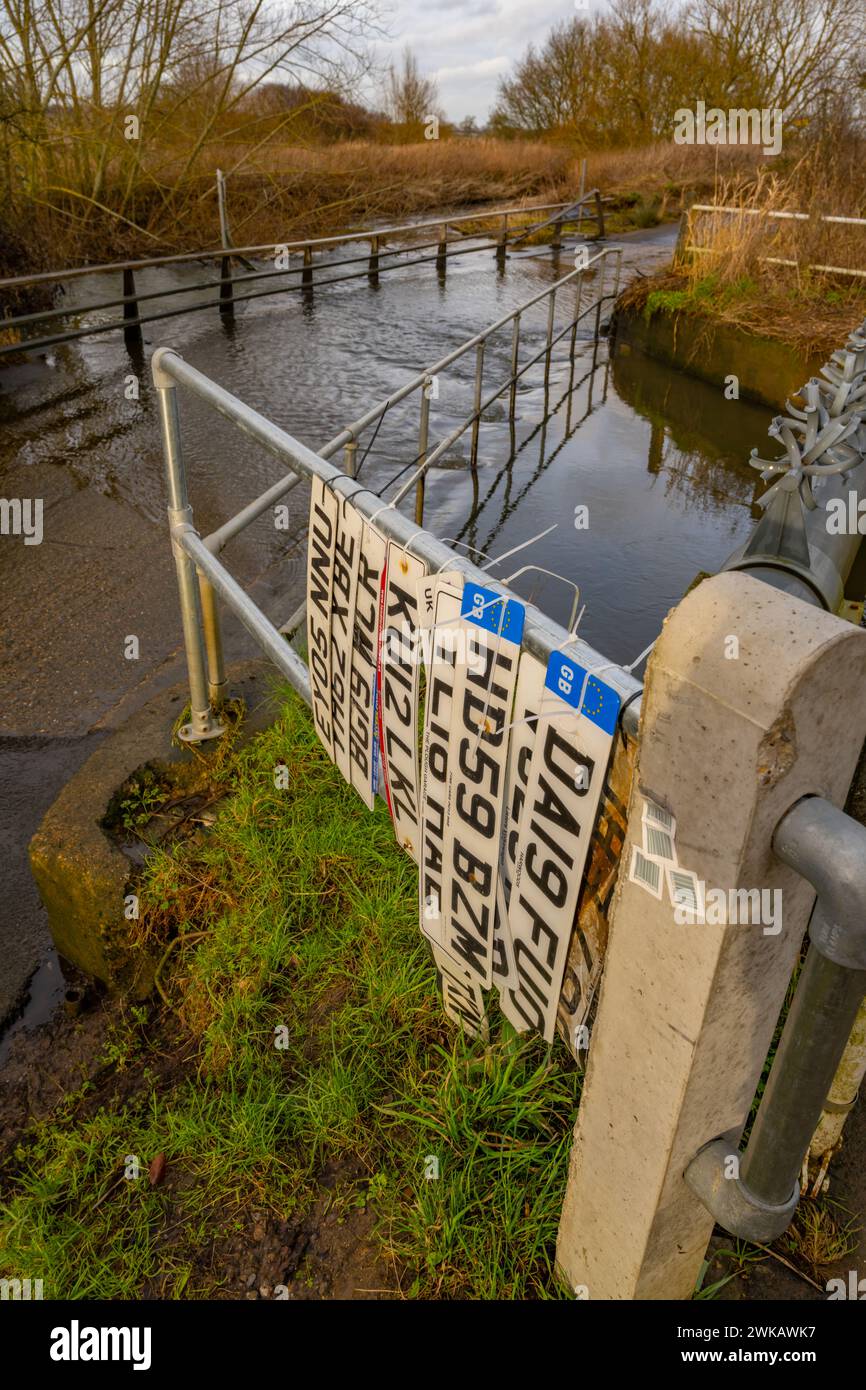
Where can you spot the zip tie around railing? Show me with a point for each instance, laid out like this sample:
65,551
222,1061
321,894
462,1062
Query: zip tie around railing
589,675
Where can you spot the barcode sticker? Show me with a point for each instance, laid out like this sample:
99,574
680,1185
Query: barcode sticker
658,844
657,815
686,891
645,872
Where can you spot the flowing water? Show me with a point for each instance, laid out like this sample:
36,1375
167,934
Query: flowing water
659,462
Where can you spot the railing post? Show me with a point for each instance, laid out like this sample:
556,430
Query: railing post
202,724
423,439
599,213
307,272
580,192
350,458
556,244
476,422
217,683
442,248
515,353
687,1008
227,300
131,327
577,299
551,310
225,236
373,268
502,242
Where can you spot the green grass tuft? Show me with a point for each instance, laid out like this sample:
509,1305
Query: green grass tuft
304,1003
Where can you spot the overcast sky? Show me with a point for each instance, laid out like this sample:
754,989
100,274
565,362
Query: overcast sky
467,45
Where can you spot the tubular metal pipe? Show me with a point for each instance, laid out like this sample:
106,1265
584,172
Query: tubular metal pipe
178,258
423,435
816,1033
202,725
827,848
32,344
541,635
831,556
476,403
259,627
515,362
268,638
70,311
216,673
218,539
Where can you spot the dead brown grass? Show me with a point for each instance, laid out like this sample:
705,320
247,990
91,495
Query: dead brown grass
281,192
678,171
748,240
765,275
811,316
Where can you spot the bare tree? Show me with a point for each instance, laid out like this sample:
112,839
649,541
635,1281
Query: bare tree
780,53
135,91
410,99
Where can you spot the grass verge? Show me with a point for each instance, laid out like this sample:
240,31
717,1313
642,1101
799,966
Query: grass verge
810,313
302,1050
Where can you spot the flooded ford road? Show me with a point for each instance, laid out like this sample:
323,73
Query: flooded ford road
650,465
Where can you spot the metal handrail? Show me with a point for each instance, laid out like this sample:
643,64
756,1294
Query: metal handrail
132,320
774,215
771,213
350,433
217,254
542,635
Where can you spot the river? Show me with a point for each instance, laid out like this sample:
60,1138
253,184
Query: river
659,462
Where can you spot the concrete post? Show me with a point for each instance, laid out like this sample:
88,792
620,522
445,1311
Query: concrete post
752,702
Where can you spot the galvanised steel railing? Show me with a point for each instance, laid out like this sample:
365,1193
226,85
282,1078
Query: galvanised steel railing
588,205
348,438
202,577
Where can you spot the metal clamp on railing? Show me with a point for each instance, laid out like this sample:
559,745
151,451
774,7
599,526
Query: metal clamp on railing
756,1197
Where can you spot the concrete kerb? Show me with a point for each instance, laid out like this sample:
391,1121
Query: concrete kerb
733,733
82,873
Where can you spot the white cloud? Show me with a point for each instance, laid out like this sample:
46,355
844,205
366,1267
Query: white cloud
468,45
485,68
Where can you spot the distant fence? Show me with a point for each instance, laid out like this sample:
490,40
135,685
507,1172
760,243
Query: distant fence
294,267
701,217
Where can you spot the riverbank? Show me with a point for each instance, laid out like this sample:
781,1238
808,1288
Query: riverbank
305,1122
290,1116
813,316
760,339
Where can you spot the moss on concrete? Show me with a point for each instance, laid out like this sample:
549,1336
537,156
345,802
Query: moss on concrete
767,370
